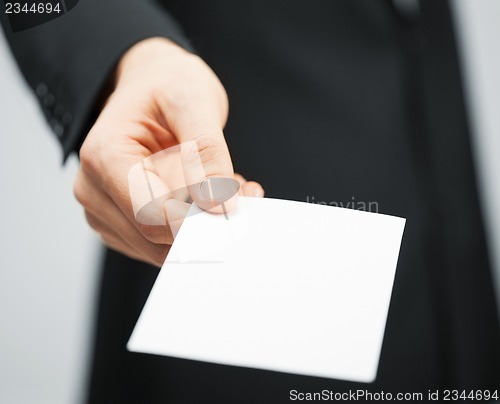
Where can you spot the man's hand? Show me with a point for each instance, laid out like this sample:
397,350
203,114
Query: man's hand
163,96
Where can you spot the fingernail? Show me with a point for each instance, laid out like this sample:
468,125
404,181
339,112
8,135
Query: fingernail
218,189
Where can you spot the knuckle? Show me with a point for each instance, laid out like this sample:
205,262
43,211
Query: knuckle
92,221
109,243
160,255
155,234
88,156
209,148
79,191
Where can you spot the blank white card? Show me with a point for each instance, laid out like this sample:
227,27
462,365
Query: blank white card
278,285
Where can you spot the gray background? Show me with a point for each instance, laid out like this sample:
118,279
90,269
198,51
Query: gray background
48,257
48,260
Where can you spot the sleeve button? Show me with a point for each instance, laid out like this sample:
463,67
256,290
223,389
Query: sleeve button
59,130
41,90
67,118
49,100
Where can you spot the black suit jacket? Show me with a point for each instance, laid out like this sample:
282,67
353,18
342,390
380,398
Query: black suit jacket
336,101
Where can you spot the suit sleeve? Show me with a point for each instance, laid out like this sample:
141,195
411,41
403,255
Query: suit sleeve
68,61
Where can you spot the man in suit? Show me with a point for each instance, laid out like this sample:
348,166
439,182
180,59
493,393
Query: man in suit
329,99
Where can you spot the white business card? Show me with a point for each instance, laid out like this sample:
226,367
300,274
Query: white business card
277,285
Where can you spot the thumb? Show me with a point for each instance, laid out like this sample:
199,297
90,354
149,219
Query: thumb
208,170
206,175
